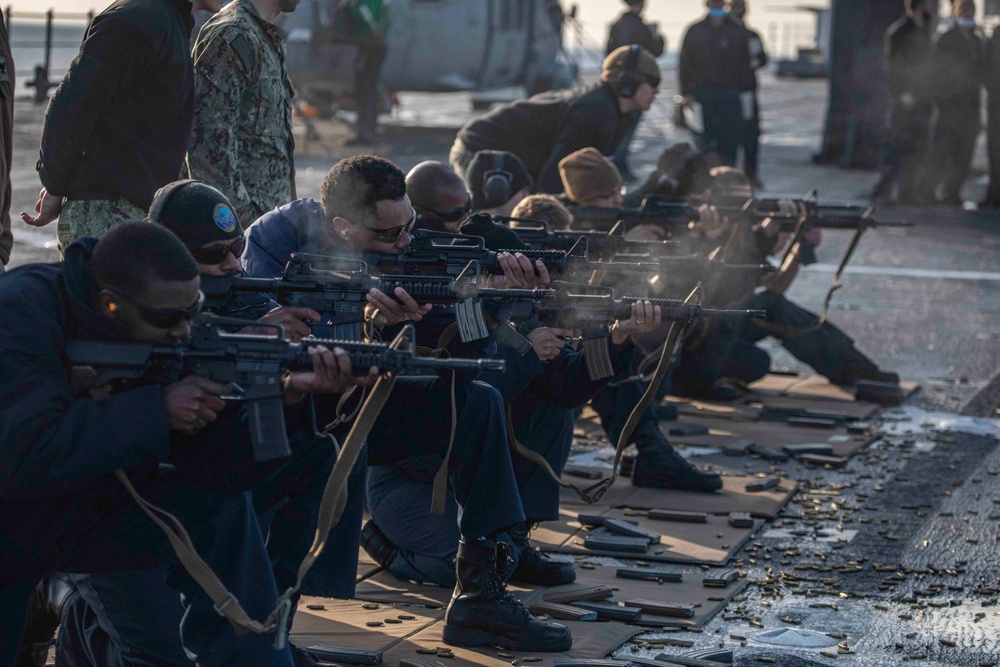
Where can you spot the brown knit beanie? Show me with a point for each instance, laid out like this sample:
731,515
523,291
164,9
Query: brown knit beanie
615,63
587,174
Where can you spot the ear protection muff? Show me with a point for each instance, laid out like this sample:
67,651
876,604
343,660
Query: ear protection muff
497,183
629,79
163,196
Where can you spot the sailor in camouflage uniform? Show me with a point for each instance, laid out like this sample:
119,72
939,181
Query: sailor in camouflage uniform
242,140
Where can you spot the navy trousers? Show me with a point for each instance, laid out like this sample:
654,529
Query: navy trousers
121,537
400,503
132,617
413,433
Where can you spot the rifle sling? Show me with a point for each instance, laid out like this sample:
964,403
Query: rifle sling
785,332
596,491
330,510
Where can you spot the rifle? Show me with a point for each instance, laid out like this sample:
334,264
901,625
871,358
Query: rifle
591,310
674,214
604,245
437,253
251,364
340,297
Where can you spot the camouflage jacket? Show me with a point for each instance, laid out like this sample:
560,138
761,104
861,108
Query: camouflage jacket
242,140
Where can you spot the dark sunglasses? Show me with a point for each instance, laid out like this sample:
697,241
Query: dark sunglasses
392,234
654,81
165,318
456,214
217,254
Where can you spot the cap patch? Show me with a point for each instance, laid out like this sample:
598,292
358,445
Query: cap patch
224,218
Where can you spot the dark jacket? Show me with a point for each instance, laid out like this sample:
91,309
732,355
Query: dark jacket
53,442
959,63
7,137
295,227
544,129
909,54
119,123
630,29
715,57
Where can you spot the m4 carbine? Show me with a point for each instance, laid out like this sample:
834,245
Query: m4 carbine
340,297
675,215
601,245
444,253
591,310
252,365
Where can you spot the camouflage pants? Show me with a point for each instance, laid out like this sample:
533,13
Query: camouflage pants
93,217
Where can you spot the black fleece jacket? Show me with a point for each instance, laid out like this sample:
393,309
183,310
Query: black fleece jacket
119,123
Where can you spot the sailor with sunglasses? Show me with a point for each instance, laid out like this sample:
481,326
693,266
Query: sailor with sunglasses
286,498
541,387
60,443
365,208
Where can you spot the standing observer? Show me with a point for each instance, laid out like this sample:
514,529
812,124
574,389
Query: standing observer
748,93
242,141
909,74
959,58
116,128
714,59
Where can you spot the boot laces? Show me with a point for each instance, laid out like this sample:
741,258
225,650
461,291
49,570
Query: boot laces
497,586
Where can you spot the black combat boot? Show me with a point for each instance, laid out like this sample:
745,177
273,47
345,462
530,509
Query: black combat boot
377,545
659,466
44,614
534,566
483,613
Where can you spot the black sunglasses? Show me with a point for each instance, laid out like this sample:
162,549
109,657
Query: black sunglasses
166,318
217,254
456,214
654,81
392,234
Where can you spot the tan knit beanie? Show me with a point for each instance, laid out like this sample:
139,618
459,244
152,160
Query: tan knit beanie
587,174
615,63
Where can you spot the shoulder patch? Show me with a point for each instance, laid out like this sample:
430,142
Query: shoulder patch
241,47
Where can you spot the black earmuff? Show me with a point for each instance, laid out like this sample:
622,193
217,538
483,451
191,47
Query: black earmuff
163,196
497,183
629,79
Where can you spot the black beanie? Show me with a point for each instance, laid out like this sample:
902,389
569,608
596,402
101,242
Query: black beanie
494,177
197,213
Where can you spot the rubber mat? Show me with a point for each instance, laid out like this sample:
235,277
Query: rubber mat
707,601
773,434
815,386
590,641
711,543
387,589
345,623
732,498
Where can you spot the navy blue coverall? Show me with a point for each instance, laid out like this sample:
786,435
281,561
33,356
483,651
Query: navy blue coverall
61,508
411,427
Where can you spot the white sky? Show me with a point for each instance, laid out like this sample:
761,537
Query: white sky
672,14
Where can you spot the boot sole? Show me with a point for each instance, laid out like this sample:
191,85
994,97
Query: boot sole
471,638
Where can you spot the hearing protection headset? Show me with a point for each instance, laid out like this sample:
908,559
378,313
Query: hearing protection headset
629,79
497,183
